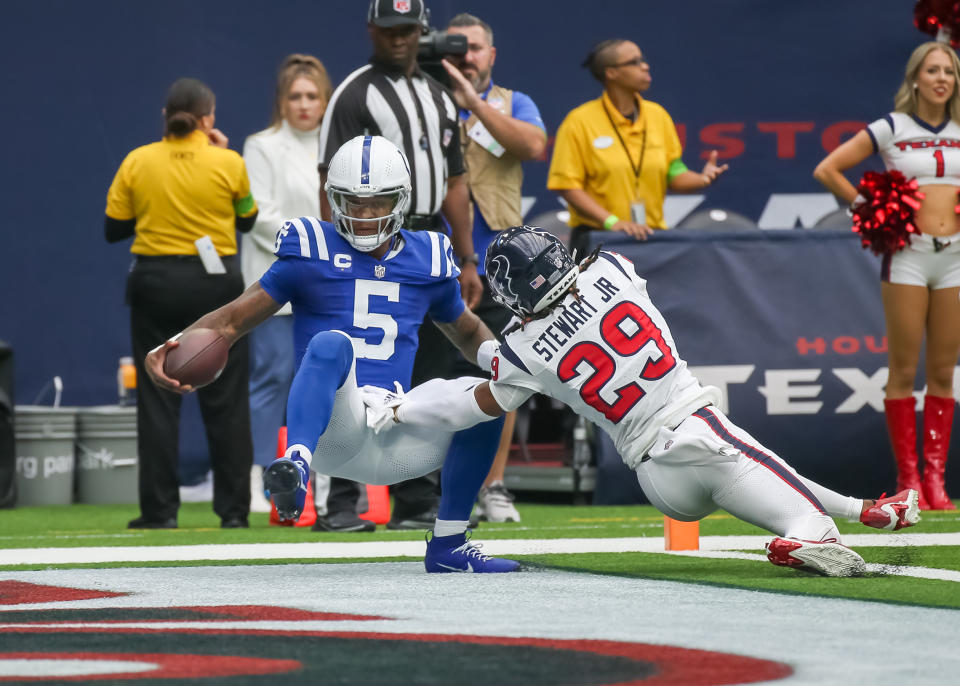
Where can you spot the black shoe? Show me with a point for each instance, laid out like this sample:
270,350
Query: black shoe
143,523
424,520
345,521
235,523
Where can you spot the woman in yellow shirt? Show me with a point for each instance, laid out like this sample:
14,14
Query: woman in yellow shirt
614,158
183,199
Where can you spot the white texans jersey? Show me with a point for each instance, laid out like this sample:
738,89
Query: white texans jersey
609,356
931,155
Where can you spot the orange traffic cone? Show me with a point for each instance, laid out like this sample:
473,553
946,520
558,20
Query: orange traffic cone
378,505
309,515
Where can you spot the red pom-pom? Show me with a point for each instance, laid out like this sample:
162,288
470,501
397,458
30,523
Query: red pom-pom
932,15
885,220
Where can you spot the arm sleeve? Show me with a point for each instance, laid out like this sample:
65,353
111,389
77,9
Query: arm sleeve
281,281
120,196
116,230
567,169
243,202
676,168
509,397
454,154
524,109
447,305
674,149
261,173
444,404
447,302
881,133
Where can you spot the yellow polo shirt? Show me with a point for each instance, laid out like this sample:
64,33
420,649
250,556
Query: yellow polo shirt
587,154
178,190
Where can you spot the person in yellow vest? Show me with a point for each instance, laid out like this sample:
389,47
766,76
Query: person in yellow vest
615,157
499,128
182,200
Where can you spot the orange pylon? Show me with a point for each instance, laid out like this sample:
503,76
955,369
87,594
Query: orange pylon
309,515
378,505
679,535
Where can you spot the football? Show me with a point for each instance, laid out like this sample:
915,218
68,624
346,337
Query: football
199,359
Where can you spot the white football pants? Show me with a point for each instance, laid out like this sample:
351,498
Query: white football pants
707,462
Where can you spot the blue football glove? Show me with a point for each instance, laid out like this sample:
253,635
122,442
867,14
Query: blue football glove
287,479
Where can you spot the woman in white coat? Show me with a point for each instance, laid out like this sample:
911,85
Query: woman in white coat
282,164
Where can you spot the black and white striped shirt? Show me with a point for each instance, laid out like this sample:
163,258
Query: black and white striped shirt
417,114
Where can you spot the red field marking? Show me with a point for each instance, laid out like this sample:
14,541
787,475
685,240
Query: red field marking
675,666
20,592
174,666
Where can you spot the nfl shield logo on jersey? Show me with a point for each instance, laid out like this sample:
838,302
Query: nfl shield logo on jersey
401,5
379,271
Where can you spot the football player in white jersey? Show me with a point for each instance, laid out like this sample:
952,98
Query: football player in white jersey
921,282
590,336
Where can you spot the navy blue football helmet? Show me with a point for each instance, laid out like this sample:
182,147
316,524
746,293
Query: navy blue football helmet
528,269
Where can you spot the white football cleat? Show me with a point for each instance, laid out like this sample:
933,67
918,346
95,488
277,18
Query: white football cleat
828,558
495,504
896,512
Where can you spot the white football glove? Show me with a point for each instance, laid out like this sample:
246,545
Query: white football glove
381,406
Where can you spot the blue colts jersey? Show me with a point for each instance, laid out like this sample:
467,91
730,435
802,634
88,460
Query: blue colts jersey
380,304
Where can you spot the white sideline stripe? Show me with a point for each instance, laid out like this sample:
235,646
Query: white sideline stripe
375,549
894,570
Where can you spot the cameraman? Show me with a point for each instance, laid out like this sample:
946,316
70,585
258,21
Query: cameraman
499,128
376,99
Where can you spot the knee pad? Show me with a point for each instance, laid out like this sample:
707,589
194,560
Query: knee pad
333,352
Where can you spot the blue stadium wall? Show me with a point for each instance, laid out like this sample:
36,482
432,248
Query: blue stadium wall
770,85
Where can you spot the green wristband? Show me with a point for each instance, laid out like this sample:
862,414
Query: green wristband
610,221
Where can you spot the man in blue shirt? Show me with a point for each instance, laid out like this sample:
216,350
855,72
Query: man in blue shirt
360,287
499,129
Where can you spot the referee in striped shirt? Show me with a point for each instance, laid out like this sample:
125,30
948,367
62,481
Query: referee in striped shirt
393,98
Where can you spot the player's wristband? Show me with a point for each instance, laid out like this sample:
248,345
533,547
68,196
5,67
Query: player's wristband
610,221
467,259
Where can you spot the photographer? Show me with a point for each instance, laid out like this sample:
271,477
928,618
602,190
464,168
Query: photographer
499,129
376,99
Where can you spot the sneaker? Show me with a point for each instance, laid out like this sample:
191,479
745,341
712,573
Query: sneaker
258,498
495,504
424,520
344,522
828,558
286,478
896,512
457,553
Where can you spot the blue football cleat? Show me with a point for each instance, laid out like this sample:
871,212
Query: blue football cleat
458,553
286,479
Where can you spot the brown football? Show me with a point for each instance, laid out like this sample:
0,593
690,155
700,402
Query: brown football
199,359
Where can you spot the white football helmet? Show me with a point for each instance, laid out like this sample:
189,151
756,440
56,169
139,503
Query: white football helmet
368,167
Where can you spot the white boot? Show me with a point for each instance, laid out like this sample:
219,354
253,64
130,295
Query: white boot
258,501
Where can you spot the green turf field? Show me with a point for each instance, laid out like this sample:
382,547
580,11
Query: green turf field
96,526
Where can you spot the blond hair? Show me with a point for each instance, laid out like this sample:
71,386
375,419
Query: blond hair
906,98
293,67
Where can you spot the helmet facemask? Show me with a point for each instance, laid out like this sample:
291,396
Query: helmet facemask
367,221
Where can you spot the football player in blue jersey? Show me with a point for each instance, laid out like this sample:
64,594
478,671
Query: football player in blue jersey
360,287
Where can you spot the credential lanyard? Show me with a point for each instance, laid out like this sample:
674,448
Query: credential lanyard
626,151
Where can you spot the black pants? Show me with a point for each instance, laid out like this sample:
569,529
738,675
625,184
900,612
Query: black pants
167,294
434,358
